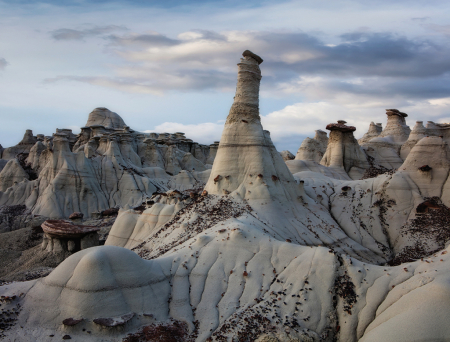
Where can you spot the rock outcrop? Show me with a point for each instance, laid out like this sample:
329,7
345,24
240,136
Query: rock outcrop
313,149
286,155
104,117
23,146
106,165
396,128
343,151
61,236
374,131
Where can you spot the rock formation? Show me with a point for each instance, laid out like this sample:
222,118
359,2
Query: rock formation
104,117
313,149
61,236
286,155
106,165
374,131
23,146
396,128
343,151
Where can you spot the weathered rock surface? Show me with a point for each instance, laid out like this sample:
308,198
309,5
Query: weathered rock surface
344,152
105,166
313,149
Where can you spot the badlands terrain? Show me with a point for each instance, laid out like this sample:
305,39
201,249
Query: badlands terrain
118,235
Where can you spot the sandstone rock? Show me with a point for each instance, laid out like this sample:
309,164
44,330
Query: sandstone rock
374,131
12,174
76,216
343,151
396,128
313,149
286,155
23,146
62,236
104,117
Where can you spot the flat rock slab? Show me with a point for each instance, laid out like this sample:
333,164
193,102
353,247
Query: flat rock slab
66,229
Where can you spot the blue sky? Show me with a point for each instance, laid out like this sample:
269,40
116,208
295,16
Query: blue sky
171,65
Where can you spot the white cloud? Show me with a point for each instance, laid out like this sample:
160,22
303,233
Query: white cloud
204,133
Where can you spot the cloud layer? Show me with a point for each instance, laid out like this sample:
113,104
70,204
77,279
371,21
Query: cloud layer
80,34
3,63
359,63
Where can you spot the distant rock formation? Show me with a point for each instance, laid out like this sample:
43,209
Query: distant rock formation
344,152
313,149
23,146
286,155
104,117
106,165
374,131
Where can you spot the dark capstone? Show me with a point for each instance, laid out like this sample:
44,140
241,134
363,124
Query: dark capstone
248,53
110,212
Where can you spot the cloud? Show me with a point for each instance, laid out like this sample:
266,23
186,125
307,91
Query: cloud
204,133
3,63
72,34
291,124
200,59
444,29
420,19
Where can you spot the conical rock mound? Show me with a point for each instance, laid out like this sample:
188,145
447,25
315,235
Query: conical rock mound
313,149
373,132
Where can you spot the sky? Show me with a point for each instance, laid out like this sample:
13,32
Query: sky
170,66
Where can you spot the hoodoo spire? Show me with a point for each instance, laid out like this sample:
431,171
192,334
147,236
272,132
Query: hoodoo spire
247,161
246,100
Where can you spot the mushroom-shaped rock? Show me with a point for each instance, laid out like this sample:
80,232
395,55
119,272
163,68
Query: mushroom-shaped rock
396,128
65,236
343,151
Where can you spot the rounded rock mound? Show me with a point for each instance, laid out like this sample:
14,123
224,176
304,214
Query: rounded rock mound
104,117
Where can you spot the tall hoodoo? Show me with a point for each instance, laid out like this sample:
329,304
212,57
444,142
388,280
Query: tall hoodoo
246,100
343,150
246,159
396,127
